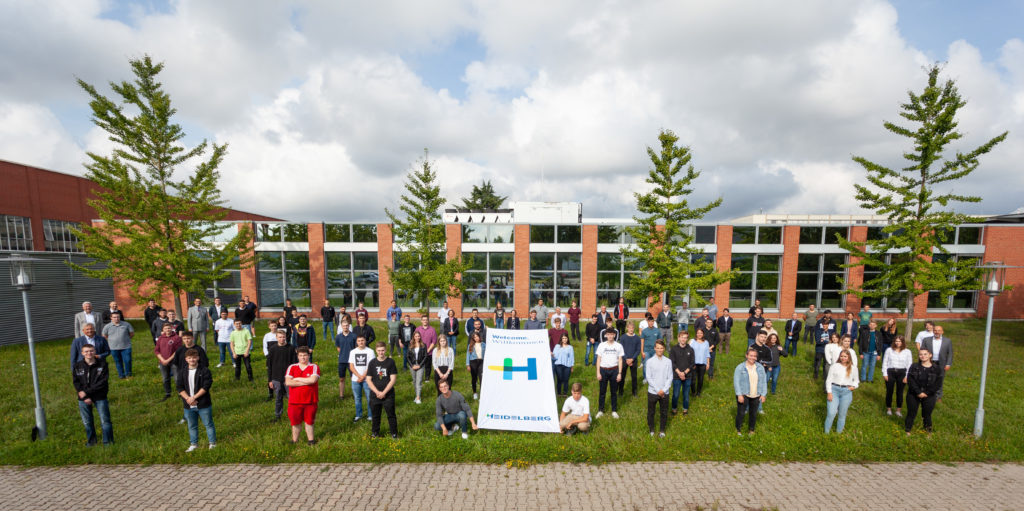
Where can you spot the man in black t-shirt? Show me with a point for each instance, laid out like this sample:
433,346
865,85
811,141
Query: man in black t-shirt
382,372
279,357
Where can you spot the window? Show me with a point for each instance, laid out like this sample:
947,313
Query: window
274,233
555,277
749,235
816,280
687,295
555,234
705,234
352,277
964,299
15,233
283,275
818,235
614,275
228,289
897,300
968,236
348,233
758,278
614,234
875,234
490,280
58,236
480,233
404,298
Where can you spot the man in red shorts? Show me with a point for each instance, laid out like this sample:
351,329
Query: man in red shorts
303,394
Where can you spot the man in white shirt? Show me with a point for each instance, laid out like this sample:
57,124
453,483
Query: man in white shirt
358,361
223,327
659,380
609,371
929,330
86,317
561,317
575,412
443,313
269,337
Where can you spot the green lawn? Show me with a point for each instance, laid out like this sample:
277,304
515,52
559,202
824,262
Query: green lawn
147,430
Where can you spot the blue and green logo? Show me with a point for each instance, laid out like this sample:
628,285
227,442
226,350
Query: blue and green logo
508,369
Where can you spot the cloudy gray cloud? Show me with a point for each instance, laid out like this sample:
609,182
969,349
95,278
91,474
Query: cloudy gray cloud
324,114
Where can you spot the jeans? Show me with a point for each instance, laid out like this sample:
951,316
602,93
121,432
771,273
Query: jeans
654,400
840,403
249,328
711,364
927,405
476,372
867,366
790,346
359,390
329,332
750,341
681,387
608,376
749,406
773,376
123,361
387,405
239,360
223,350
193,416
561,379
819,357
103,407
279,392
895,382
591,347
450,419
697,383
405,357
169,372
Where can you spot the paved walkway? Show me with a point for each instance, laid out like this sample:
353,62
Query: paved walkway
554,486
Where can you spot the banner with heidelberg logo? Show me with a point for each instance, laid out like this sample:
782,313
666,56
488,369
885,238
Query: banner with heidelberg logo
518,391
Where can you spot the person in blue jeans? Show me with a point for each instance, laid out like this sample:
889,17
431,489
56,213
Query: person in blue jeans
452,411
358,362
593,333
842,379
682,357
193,386
91,383
775,363
867,344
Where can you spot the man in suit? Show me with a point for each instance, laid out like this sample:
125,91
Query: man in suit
216,308
199,321
793,328
621,314
664,322
90,337
87,317
602,317
941,349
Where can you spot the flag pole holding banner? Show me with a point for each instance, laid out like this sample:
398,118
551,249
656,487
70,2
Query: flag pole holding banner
518,390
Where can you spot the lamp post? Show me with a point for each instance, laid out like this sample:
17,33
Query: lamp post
995,280
22,278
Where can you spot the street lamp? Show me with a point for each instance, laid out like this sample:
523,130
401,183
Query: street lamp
22,278
994,277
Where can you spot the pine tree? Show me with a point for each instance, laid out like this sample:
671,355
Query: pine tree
919,216
421,268
155,230
666,255
483,197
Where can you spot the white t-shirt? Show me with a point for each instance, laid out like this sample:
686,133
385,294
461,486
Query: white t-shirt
574,407
610,354
90,318
268,339
562,317
191,382
224,328
361,359
644,325
922,335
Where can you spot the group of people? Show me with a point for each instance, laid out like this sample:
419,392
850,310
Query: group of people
621,350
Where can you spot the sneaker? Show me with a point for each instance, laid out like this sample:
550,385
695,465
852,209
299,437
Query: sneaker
212,446
465,436
220,364
740,433
455,428
394,436
374,435
673,411
356,418
599,415
652,434
888,412
311,442
661,435
192,448
686,412
760,412
417,401
899,413
615,415
475,395
181,421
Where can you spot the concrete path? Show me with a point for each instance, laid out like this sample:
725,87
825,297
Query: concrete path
615,487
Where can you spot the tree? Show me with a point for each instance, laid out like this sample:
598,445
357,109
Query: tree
483,197
666,254
421,268
919,220
156,230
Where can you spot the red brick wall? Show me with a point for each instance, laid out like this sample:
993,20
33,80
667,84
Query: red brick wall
723,261
588,268
317,267
522,275
1004,244
790,254
385,260
855,275
454,248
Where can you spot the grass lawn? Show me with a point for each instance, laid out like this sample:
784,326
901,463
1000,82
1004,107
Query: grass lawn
147,430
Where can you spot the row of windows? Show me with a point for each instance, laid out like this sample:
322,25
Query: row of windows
16,234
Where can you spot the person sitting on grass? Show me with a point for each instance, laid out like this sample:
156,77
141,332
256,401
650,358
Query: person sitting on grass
304,394
193,384
452,411
575,412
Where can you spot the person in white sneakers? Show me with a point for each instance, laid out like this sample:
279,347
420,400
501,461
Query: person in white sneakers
223,327
659,382
452,411
193,386
609,371
575,412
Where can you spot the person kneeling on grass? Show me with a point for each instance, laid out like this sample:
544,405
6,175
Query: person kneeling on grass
575,412
303,394
452,411
193,384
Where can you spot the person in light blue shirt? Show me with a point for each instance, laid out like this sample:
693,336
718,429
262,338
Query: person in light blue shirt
659,381
564,359
701,358
650,335
394,311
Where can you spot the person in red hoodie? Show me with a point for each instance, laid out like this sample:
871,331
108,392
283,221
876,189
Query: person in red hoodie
166,345
555,334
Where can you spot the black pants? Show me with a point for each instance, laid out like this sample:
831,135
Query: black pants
895,382
697,385
437,378
238,366
562,374
655,400
620,325
632,374
476,369
608,376
168,372
279,392
927,405
574,330
748,406
388,405
819,358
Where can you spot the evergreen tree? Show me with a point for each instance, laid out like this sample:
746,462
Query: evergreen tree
155,230
483,197
666,255
919,217
421,268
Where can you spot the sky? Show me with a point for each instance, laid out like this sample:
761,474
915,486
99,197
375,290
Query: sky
326,106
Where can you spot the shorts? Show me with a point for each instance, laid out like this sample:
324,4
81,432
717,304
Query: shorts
342,370
298,414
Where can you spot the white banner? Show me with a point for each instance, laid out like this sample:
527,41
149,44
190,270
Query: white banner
518,391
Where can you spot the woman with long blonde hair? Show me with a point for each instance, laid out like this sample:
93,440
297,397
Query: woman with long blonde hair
842,379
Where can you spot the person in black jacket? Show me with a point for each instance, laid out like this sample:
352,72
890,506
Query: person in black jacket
279,357
682,358
924,379
793,328
512,322
361,329
89,376
188,342
724,324
593,332
194,388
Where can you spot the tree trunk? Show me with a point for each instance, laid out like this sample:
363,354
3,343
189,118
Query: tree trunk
910,316
177,303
